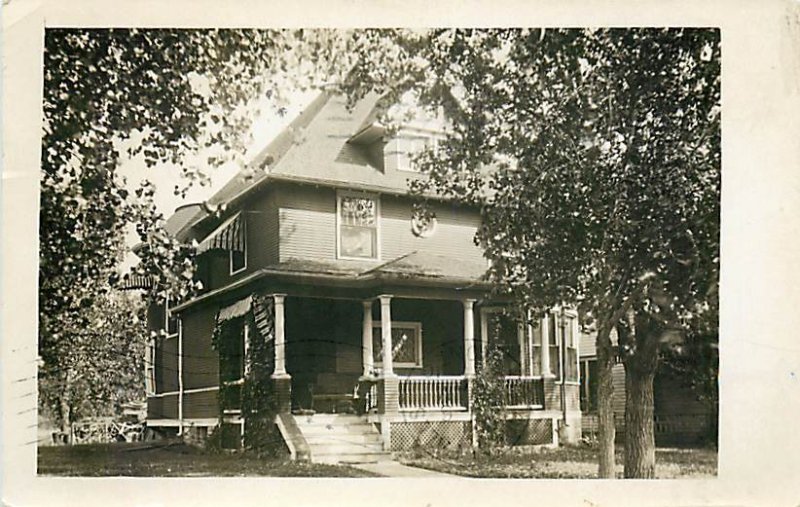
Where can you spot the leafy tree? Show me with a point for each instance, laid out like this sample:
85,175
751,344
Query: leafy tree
595,157
100,366
155,94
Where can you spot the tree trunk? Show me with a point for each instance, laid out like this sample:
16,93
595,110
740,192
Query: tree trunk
605,407
640,445
66,420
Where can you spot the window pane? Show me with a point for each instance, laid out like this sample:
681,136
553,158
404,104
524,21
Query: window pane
537,360
555,363
237,260
360,211
358,242
405,345
552,329
172,320
572,364
231,353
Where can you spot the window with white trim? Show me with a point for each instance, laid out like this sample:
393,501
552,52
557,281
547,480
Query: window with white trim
554,346
170,320
237,258
409,148
536,347
570,348
406,344
357,221
150,367
565,330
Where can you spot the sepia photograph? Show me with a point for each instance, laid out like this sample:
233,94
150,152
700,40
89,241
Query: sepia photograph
393,252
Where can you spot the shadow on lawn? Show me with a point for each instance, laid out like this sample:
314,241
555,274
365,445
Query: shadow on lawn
568,462
173,459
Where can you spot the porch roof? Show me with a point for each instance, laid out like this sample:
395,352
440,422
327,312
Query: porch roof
417,269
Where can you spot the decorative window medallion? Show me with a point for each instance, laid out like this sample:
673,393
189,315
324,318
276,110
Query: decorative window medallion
423,225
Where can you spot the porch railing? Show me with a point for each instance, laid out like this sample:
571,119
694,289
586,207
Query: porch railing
433,393
524,392
372,397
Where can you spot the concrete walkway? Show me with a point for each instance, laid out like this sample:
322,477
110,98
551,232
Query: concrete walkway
395,469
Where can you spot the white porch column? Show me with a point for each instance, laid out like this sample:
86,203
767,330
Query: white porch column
366,339
546,371
280,338
386,334
469,337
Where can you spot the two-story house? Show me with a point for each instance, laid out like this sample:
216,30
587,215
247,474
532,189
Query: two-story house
373,309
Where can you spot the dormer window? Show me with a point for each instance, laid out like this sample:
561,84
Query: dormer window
400,152
410,147
357,224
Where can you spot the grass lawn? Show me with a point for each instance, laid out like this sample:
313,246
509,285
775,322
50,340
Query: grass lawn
578,462
157,459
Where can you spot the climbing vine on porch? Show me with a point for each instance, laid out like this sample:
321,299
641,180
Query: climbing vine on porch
255,396
488,401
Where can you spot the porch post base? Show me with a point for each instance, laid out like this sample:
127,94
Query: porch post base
283,392
388,406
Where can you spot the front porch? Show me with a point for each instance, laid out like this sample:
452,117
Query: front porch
408,365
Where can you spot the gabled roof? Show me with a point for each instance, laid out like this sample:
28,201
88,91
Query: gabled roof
316,148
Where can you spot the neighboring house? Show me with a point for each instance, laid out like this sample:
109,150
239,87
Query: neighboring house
680,418
324,233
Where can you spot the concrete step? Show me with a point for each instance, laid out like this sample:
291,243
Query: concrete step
331,418
352,459
342,450
336,429
348,438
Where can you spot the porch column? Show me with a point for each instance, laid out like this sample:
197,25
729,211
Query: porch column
386,334
388,383
366,340
280,339
281,379
546,371
469,338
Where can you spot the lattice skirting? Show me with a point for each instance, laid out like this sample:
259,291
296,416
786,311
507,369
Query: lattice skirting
529,431
407,436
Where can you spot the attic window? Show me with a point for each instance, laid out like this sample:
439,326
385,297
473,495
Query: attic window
357,215
411,147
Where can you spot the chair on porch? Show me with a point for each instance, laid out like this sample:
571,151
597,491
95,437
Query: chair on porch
334,393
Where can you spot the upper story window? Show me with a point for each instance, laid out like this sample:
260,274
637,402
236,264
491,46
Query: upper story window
410,147
357,220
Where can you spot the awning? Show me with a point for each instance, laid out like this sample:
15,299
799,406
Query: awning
237,309
228,236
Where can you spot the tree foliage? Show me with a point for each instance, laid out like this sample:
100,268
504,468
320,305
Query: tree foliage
159,95
100,365
595,158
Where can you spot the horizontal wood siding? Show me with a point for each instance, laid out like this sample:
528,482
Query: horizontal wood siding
163,407
588,343
262,231
453,237
552,396
307,222
200,360
618,379
166,365
200,405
